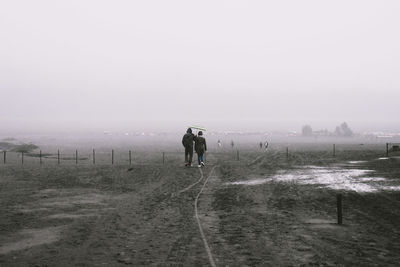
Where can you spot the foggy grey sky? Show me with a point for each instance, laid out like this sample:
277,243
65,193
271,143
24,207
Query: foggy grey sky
222,64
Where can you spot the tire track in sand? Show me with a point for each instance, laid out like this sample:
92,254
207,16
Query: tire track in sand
206,246
190,186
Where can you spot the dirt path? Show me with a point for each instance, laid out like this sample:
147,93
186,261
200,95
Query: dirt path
196,213
168,215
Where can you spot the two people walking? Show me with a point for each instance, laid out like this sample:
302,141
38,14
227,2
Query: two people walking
200,147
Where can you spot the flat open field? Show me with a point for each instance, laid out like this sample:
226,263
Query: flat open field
267,209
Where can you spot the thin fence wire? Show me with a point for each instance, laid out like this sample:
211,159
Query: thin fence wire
131,157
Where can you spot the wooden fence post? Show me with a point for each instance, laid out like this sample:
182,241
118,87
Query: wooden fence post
112,156
22,158
163,157
130,157
339,209
387,149
334,150
40,157
287,152
5,153
58,156
76,156
94,157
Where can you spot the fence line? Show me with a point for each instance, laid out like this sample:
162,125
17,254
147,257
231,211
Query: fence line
231,153
77,158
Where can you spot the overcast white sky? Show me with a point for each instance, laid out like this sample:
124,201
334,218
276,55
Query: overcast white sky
222,64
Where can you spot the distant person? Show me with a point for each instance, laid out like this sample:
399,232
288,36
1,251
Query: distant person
200,147
219,143
187,142
266,145
232,144
261,145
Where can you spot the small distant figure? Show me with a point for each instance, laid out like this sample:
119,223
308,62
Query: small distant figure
261,145
200,147
232,144
187,142
219,143
266,145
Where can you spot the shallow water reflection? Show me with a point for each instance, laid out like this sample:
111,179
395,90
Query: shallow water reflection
332,177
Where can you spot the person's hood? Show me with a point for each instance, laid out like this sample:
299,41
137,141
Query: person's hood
189,130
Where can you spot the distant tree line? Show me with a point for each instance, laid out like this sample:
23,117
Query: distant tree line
342,130
26,148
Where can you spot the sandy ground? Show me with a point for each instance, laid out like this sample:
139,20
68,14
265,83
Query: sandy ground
145,214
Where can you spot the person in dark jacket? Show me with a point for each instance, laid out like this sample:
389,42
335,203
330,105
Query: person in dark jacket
187,142
200,147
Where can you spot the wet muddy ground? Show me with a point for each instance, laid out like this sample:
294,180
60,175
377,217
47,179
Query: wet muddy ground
265,210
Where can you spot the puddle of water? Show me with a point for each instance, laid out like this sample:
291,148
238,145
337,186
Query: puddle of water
395,188
252,182
382,158
357,161
372,179
358,187
312,167
333,177
32,237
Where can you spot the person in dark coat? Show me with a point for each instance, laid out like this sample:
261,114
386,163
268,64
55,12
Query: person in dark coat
200,147
187,142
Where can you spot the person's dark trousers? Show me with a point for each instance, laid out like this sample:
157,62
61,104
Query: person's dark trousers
188,155
200,158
